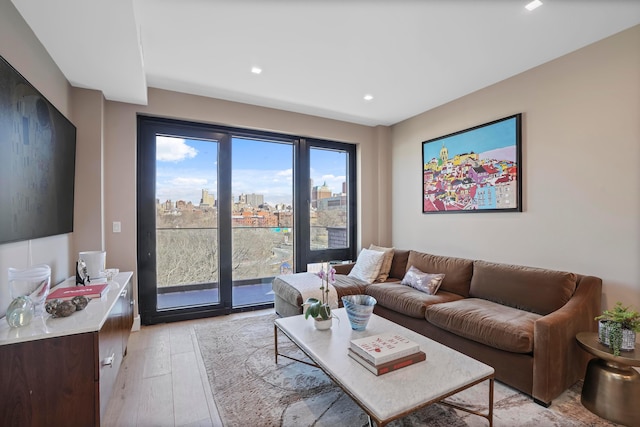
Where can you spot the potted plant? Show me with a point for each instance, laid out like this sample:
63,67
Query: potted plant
319,309
617,328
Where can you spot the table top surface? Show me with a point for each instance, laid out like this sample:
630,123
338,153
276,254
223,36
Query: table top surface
395,393
590,342
90,319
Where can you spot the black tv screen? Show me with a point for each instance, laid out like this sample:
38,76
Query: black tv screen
37,162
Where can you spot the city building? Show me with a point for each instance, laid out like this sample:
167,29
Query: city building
208,199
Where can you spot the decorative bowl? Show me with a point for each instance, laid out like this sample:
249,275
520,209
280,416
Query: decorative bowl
359,309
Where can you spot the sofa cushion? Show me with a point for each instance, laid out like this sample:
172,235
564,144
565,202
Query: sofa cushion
457,271
406,300
386,261
486,322
536,290
398,264
367,265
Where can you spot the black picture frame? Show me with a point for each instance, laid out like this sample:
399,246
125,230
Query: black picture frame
37,162
474,170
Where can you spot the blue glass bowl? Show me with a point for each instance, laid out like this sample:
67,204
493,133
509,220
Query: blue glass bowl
359,309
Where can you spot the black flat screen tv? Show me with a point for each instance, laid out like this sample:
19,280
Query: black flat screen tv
37,162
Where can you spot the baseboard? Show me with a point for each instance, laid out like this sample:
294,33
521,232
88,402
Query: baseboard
136,324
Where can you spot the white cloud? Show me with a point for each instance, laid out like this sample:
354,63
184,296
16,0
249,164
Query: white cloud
286,173
169,149
189,182
183,184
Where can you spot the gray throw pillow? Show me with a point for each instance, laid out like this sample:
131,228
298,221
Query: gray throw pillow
424,282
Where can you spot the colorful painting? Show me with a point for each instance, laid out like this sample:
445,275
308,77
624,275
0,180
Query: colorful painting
474,170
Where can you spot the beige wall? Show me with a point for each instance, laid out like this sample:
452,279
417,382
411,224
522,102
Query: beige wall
20,47
88,215
120,159
581,174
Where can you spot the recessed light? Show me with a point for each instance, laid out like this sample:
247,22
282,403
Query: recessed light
368,97
533,5
256,70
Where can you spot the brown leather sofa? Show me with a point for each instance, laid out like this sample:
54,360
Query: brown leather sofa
520,320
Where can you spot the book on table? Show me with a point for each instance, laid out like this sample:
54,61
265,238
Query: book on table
67,293
387,367
382,348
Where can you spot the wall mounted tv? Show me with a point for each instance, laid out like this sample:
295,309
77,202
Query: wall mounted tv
37,162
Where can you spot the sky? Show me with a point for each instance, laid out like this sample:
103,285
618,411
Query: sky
487,138
185,166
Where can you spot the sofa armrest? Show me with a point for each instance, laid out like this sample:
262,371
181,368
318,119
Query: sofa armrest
558,361
344,268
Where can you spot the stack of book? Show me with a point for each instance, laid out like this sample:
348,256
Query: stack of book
384,353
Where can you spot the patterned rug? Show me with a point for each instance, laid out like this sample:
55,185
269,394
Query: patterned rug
250,389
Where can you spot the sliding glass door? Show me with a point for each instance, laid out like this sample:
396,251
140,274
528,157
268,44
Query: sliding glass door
222,211
187,272
183,224
262,217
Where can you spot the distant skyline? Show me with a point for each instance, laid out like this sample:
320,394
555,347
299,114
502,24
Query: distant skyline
184,167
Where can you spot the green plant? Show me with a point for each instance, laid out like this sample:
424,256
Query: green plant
319,309
616,320
628,319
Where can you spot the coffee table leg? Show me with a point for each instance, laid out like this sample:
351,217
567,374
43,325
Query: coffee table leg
275,338
490,414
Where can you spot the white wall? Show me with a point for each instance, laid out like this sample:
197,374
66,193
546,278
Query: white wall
581,170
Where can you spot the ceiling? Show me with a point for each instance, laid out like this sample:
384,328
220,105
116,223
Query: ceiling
318,57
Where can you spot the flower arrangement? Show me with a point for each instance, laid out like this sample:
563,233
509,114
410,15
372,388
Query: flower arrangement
319,309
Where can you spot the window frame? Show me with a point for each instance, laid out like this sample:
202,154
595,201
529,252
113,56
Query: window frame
148,128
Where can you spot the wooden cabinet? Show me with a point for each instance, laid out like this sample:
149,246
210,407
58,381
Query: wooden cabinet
48,382
66,379
112,345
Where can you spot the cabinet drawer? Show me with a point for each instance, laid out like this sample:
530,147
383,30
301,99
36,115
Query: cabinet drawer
109,355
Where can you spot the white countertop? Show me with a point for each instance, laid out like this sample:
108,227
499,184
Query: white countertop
90,319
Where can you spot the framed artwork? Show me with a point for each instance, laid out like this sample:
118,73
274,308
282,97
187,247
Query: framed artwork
474,170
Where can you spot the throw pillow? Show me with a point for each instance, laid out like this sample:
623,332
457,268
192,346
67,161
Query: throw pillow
367,266
425,282
386,261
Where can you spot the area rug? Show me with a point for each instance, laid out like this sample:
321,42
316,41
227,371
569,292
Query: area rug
251,389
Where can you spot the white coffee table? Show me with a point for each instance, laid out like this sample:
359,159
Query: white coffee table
394,395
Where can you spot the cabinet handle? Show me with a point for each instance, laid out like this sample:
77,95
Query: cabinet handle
131,302
124,293
109,360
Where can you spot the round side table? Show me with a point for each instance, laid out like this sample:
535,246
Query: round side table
611,386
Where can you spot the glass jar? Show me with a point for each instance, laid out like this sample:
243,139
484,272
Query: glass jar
33,282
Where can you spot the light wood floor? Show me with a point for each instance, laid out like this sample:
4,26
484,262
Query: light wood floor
162,380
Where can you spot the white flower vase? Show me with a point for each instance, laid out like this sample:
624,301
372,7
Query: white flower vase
322,325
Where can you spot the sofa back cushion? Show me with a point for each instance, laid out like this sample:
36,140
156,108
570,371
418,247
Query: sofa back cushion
383,275
398,264
532,289
457,271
